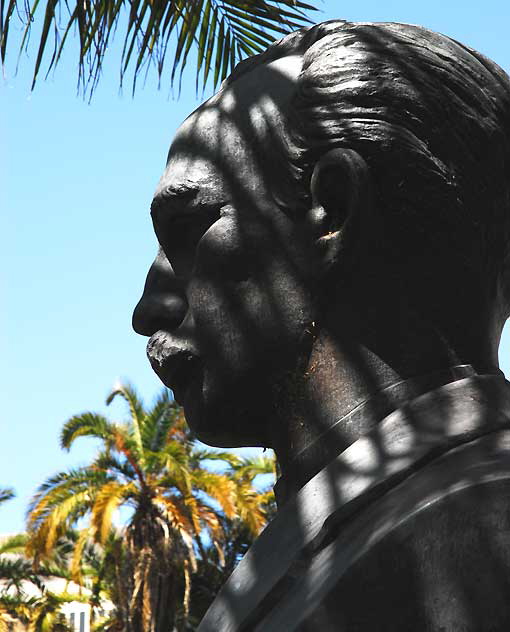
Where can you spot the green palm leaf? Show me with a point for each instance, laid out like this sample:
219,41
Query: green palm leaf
6,493
250,467
14,572
222,32
128,393
13,544
199,455
108,463
158,421
86,425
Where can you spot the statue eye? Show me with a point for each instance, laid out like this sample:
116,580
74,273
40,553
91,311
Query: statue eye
179,234
225,252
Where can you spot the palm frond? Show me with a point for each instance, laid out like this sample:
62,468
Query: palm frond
46,611
17,607
58,503
107,500
210,520
222,32
49,568
249,508
177,515
63,485
111,465
74,478
217,486
76,560
129,394
15,572
6,493
192,504
86,425
14,544
249,467
172,465
48,521
198,455
158,421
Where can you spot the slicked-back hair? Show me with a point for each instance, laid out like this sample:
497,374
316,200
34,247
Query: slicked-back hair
429,115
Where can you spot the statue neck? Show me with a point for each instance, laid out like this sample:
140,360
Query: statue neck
360,420
371,355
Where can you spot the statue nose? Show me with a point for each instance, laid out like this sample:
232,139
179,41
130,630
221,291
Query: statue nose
163,303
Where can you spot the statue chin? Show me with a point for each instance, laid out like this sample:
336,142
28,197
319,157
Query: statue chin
222,420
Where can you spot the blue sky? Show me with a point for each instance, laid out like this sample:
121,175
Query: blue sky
76,180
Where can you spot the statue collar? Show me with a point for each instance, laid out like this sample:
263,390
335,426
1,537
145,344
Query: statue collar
404,441
359,422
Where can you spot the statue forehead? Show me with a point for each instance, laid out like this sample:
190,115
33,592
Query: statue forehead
222,133
261,93
206,147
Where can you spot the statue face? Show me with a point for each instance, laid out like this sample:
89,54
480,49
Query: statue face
226,302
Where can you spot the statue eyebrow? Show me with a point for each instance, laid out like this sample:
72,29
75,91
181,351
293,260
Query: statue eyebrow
171,194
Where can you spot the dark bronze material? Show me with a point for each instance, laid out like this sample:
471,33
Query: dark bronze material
332,282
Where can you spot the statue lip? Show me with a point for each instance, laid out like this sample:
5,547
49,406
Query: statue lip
175,361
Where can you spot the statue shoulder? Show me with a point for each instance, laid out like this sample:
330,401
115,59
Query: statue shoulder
392,534
414,559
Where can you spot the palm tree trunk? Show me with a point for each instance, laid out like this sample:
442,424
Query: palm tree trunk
165,616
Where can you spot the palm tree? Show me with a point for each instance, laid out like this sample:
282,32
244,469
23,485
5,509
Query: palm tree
221,32
24,597
151,465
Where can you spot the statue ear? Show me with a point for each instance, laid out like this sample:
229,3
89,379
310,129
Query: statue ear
341,192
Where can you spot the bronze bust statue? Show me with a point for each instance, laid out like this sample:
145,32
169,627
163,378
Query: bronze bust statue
332,281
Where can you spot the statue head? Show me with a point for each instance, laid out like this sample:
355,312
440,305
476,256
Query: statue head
343,197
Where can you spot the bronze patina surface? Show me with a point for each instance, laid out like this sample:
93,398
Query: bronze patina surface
332,281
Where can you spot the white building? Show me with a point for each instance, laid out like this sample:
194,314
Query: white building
77,613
